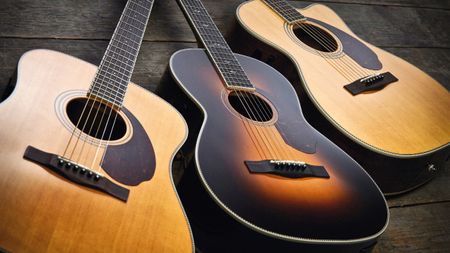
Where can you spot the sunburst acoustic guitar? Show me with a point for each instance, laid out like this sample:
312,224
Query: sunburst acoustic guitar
85,156
260,178
387,114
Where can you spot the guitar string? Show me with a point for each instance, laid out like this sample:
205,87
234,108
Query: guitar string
249,128
251,133
100,81
259,115
142,33
246,103
350,71
102,86
284,12
259,135
326,43
349,75
361,72
133,61
277,142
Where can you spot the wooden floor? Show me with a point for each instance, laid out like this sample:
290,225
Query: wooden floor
416,30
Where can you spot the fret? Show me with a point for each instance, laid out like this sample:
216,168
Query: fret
118,61
129,27
108,90
101,93
285,10
217,48
108,86
145,8
122,51
118,80
127,40
137,15
128,35
116,67
106,98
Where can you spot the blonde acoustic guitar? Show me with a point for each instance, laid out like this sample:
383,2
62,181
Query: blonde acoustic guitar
390,116
85,166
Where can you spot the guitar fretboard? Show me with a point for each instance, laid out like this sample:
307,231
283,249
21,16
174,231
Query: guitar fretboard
219,51
116,67
285,10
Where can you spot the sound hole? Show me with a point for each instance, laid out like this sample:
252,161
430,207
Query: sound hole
315,37
250,106
96,123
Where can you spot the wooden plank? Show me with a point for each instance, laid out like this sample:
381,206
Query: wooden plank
440,4
381,25
424,228
152,60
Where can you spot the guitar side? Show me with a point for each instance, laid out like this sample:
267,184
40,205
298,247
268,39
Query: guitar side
377,126
44,212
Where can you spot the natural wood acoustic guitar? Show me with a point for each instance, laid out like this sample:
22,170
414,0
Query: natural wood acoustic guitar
85,156
391,117
259,178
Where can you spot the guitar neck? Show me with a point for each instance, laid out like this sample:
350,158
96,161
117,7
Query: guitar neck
115,70
285,10
218,50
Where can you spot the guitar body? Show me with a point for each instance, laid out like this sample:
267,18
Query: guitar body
240,211
399,133
43,211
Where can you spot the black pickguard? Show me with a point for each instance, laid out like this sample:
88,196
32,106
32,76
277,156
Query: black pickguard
133,162
354,48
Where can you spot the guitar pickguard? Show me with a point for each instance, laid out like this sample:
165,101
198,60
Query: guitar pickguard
354,48
133,162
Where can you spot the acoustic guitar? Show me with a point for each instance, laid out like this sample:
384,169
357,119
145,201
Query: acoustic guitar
86,155
391,117
259,178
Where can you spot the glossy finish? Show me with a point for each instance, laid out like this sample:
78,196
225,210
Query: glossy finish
300,210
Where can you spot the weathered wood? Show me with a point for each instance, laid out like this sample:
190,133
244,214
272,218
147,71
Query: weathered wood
422,228
388,26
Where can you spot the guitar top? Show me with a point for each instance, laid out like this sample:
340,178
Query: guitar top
86,155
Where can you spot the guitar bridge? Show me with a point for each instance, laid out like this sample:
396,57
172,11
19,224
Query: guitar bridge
371,82
76,173
287,168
